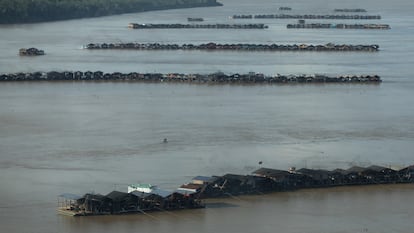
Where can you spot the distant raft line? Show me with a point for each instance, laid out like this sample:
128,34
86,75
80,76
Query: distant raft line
350,10
214,78
197,26
236,47
31,52
338,26
285,8
307,16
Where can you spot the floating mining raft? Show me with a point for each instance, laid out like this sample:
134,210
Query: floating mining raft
285,8
198,26
195,19
141,198
31,52
288,16
117,202
339,26
219,78
237,47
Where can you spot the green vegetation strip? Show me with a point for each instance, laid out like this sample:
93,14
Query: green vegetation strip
29,11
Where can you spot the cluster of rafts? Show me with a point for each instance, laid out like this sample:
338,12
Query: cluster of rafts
196,26
142,198
214,78
302,24
31,52
285,8
237,47
350,10
307,16
195,19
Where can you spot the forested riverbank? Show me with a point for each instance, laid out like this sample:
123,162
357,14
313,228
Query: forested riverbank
28,11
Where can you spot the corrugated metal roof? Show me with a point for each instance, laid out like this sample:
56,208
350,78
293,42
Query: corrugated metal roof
376,168
94,197
161,192
409,168
307,171
235,177
140,194
270,172
355,169
116,195
338,170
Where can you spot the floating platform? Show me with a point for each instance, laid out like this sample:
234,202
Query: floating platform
132,202
31,52
285,8
71,213
214,78
307,16
211,46
197,26
195,19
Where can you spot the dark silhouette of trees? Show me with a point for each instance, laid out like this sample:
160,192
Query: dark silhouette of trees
27,11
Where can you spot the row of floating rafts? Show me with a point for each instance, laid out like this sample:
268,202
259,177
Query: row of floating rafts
141,198
302,24
350,10
31,52
238,47
272,180
285,8
307,16
197,78
203,26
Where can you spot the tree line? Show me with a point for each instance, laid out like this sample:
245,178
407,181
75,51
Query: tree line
27,11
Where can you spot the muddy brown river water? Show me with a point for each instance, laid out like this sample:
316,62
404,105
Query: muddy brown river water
78,137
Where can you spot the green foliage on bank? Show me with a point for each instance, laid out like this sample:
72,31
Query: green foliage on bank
24,11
